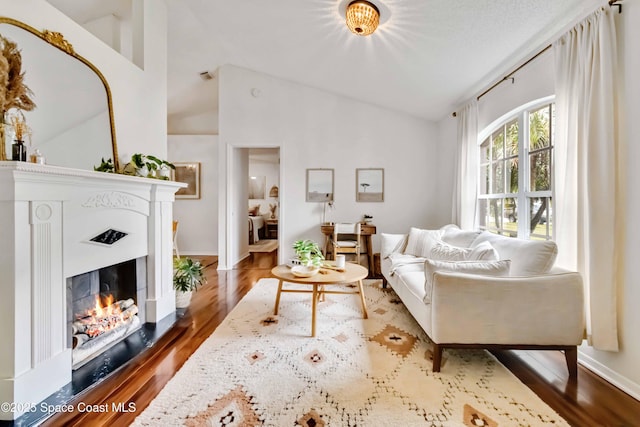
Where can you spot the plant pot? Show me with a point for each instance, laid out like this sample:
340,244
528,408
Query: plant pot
143,171
183,299
164,172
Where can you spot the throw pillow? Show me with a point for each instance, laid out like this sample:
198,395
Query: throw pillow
420,242
390,245
446,252
254,210
483,252
485,268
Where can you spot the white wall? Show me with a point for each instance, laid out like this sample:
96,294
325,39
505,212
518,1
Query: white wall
198,218
536,81
204,123
139,96
317,129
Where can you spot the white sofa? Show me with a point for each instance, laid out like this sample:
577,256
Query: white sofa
531,305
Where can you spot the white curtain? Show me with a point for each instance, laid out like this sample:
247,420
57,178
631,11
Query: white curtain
588,169
466,177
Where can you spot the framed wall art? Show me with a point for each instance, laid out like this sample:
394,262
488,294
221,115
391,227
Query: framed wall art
257,187
370,185
319,185
189,173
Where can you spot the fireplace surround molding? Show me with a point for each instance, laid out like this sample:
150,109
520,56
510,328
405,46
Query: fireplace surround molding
49,216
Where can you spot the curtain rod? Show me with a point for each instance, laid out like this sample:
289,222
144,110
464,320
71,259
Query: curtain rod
510,75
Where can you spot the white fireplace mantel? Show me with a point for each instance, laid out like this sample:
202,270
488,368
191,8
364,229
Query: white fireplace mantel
48,216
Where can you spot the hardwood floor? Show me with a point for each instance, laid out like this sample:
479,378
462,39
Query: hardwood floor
593,402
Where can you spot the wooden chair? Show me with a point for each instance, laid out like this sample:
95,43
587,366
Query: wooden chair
343,239
175,239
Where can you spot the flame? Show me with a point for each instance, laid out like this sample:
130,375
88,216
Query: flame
104,316
108,308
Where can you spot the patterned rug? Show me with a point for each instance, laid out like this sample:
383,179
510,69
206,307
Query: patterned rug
261,369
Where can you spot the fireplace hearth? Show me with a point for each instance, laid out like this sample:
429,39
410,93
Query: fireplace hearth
103,309
61,223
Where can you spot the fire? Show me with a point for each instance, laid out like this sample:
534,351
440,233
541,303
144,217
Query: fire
107,309
105,316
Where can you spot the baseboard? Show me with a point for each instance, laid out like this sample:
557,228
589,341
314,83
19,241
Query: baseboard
621,382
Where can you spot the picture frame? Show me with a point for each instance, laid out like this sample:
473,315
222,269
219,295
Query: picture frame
257,187
319,185
189,173
370,185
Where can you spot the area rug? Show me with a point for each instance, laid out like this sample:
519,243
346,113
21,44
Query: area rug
261,369
264,246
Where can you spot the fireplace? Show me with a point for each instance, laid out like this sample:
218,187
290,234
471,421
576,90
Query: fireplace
104,306
61,223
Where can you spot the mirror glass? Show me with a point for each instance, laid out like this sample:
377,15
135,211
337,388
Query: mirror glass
72,122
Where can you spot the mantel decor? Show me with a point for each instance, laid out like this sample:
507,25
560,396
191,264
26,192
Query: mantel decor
14,93
69,91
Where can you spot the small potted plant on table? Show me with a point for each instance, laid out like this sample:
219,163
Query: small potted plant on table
188,274
310,257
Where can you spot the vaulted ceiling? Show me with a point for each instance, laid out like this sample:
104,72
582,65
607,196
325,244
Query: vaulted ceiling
426,57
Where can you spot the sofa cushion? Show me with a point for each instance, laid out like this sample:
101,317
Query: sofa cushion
456,237
420,242
485,268
528,257
446,252
402,261
483,252
414,281
392,243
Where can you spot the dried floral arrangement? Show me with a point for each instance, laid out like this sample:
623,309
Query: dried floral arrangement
19,124
14,93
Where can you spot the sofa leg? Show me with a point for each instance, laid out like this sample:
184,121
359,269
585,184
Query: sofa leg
384,282
571,356
437,357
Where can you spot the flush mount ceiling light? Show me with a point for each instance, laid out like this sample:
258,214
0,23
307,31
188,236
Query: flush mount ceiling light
362,17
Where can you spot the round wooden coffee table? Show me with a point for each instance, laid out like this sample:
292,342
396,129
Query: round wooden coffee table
326,276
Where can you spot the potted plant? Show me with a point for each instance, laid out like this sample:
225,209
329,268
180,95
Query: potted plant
308,252
105,166
188,274
148,166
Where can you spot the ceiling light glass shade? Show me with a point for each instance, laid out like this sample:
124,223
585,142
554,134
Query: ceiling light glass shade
362,17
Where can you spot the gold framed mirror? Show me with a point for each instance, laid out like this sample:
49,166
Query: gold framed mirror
72,125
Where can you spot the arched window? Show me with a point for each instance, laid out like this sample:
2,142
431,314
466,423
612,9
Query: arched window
515,196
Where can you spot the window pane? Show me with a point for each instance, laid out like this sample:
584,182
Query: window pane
512,176
498,177
539,128
511,216
482,213
498,144
485,155
484,179
494,214
512,138
540,171
541,217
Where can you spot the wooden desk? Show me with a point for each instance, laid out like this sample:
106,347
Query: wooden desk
366,231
